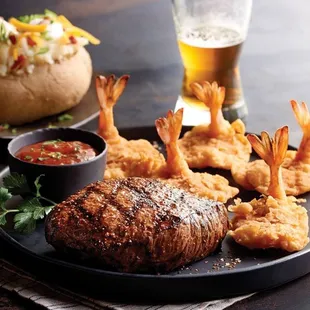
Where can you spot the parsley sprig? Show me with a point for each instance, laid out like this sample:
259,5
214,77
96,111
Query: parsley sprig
34,207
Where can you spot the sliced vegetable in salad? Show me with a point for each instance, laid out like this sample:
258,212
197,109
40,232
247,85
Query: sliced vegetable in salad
3,33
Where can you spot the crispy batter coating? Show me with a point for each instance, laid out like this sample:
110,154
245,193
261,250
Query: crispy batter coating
125,158
296,177
295,168
177,171
239,172
273,221
206,185
218,144
133,158
269,223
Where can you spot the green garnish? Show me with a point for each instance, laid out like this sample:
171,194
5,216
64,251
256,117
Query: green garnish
46,36
50,14
77,149
65,117
5,126
28,18
42,50
28,211
28,157
5,195
51,142
16,184
14,131
50,125
3,33
38,185
56,155
42,158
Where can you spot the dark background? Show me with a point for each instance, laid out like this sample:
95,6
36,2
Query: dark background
138,38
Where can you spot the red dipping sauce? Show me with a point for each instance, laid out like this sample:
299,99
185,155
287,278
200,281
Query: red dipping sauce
56,152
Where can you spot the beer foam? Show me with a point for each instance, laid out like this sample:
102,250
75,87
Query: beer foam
211,37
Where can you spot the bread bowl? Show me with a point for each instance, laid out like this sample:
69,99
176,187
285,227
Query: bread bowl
44,67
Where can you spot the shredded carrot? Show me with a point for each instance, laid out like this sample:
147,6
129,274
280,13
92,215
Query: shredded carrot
15,53
36,38
64,39
26,27
82,33
64,21
73,30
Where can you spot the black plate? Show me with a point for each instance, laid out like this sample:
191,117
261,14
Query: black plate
209,278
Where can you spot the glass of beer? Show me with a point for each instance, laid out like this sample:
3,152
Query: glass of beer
210,35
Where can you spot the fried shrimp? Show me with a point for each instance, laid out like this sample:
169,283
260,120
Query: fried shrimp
125,158
275,220
177,172
295,167
219,143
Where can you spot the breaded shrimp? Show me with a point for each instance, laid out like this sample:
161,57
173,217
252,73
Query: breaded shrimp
296,165
275,220
177,172
125,158
219,143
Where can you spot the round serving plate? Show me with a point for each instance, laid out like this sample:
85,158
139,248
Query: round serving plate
233,270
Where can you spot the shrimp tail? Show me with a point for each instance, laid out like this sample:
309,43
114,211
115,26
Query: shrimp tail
213,97
273,152
302,116
169,130
110,89
108,92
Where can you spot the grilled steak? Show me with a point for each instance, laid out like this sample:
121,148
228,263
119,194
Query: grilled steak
137,225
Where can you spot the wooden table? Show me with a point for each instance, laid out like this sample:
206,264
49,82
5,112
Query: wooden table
138,38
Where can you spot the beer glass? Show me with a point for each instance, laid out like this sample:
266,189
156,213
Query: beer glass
210,35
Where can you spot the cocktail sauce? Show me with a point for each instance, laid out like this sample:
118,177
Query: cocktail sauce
56,152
